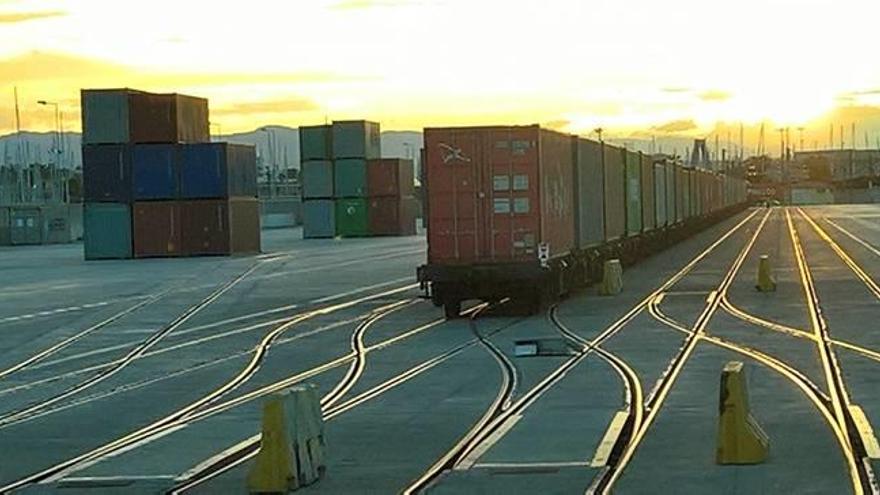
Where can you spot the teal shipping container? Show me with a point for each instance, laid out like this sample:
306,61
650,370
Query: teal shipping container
356,139
315,143
660,202
107,232
350,178
648,206
589,209
670,193
317,179
319,218
105,116
4,226
633,193
615,193
687,181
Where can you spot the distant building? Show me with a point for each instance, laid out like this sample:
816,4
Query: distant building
843,164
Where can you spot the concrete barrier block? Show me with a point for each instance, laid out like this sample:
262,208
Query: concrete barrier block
766,281
741,440
292,448
612,278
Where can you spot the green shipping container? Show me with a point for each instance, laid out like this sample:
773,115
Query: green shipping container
107,231
633,193
350,178
352,218
315,143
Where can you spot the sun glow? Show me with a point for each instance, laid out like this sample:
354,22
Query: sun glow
410,63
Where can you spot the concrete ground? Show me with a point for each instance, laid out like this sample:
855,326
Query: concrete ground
76,375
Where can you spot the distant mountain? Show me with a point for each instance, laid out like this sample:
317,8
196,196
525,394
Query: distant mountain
37,147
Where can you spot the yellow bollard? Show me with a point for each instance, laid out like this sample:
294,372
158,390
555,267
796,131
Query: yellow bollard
740,438
292,446
766,281
612,278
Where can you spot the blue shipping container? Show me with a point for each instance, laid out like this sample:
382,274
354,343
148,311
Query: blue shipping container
155,171
319,218
107,173
218,170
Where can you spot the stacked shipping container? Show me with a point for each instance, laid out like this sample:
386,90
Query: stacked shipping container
153,184
348,190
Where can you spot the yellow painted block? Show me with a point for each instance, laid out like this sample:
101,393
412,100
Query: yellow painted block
292,447
612,278
766,281
274,467
741,440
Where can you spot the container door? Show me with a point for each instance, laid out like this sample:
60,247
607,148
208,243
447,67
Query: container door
510,201
453,157
633,194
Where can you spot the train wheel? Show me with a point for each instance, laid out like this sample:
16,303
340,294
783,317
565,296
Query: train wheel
452,309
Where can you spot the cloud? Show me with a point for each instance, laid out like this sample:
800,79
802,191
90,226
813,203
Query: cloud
676,126
366,4
288,105
46,66
676,90
556,124
714,95
15,17
40,66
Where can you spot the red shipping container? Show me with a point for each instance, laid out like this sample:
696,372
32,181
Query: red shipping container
218,227
499,194
157,229
168,118
390,177
392,215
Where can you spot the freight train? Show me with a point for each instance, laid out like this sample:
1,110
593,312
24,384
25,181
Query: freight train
527,213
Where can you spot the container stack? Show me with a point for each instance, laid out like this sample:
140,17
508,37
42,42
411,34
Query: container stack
348,190
155,186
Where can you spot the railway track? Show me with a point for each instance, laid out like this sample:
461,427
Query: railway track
245,450
138,351
180,345
860,467
483,427
605,481
185,413
153,432
529,397
634,396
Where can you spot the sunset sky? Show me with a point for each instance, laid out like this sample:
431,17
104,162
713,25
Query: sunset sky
627,65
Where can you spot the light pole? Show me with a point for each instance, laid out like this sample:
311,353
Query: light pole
219,130
57,142
270,138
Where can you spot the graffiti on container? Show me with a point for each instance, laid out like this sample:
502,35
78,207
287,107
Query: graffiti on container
451,153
